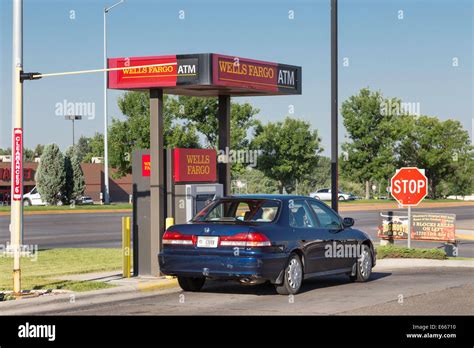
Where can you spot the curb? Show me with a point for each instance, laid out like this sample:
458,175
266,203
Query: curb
56,302
420,263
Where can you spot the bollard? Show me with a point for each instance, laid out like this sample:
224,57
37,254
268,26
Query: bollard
169,222
126,246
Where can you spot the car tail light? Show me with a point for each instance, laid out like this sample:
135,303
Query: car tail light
251,239
176,238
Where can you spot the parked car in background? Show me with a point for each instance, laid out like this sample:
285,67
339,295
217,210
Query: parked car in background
325,195
84,200
282,239
33,198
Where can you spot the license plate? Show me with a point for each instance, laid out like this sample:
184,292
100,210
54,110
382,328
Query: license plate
207,242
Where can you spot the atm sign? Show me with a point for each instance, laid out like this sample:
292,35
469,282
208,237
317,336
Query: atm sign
195,165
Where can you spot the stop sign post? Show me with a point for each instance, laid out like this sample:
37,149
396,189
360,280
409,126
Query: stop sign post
409,186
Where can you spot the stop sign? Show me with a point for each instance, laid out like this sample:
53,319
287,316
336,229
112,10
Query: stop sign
409,186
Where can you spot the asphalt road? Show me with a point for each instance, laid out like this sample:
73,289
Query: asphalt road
430,291
103,230
89,230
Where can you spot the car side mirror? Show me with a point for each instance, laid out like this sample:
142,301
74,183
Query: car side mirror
348,222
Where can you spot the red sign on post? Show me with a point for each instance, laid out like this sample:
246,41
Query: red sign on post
195,165
146,166
17,164
409,186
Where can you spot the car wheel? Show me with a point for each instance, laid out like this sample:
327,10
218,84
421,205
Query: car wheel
26,203
317,197
190,283
363,265
341,198
293,277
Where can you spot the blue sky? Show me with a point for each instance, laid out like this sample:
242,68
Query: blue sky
409,58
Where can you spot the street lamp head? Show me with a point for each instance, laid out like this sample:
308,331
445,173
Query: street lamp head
107,9
73,117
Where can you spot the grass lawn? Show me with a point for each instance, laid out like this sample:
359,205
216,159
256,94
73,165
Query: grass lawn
57,262
77,207
393,251
461,258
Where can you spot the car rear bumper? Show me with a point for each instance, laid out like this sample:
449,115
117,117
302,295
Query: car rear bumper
263,266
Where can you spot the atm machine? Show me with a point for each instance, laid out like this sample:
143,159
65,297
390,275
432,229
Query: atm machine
189,199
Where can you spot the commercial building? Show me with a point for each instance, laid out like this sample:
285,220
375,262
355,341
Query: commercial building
120,189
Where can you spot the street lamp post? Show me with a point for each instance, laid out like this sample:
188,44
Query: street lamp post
106,123
73,118
334,109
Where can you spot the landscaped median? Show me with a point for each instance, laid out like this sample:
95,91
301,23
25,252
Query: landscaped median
41,271
397,252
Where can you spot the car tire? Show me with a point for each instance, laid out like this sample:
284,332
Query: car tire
363,265
341,198
27,203
317,197
191,283
293,277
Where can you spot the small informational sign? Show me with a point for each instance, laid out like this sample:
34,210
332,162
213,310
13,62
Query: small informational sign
425,227
17,165
146,165
195,165
434,226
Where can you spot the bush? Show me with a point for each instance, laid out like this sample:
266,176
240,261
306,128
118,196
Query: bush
397,252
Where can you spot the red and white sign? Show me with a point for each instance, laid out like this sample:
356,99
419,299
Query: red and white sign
195,165
17,164
146,165
409,186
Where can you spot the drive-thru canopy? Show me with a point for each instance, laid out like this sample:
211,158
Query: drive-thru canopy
205,75
202,75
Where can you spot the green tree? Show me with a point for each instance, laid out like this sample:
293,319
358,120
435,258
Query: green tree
95,148
66,194
372,124
288,151
51,175
28,155
7,151
39,150
443,149
134,131
256,182
83,147
75,182
202,114
78,178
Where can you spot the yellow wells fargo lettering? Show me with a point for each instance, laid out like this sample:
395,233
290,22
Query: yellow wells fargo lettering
149,70
198,164
239,68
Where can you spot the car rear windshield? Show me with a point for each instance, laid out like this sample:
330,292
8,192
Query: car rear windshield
240,210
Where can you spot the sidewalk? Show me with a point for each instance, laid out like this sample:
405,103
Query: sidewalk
126,288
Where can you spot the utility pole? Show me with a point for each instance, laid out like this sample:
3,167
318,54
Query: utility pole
106,121
334,109
16,224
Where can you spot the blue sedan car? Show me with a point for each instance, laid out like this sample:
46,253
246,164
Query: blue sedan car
282,239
